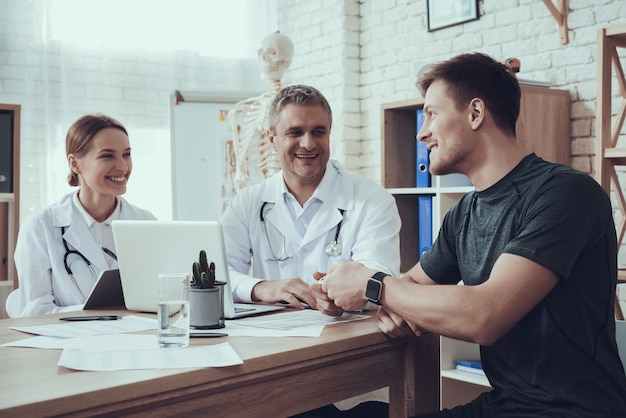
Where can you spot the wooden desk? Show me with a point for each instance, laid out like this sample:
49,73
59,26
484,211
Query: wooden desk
279,377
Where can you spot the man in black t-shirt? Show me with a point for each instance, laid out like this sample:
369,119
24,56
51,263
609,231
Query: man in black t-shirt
535,246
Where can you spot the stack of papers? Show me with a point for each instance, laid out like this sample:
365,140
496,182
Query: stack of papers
298,319
103,346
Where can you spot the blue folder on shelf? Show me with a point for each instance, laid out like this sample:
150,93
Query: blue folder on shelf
425,213
470,366
423,176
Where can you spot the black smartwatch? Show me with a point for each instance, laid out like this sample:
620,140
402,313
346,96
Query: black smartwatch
374,289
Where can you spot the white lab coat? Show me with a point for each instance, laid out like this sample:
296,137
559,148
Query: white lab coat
369,234
44,284
369,230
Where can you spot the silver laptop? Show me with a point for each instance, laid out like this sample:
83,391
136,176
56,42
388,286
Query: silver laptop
146,248
107,292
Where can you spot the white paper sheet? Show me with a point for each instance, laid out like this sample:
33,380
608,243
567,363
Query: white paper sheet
235,329
305,323
120,340
39,342
108,341
297,319
219,355
130,323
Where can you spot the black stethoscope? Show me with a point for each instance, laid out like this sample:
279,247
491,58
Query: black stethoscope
333,248
68,252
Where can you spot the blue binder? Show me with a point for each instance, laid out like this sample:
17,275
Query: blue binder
425,213
423,176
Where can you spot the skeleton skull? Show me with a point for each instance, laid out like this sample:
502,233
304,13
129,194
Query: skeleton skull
275,53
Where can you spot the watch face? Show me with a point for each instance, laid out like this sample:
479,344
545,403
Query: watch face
372,291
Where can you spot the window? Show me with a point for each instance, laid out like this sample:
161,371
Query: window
221,28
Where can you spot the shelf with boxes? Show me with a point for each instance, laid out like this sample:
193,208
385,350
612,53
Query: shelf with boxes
543,127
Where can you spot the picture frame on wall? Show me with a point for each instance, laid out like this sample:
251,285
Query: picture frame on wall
446,13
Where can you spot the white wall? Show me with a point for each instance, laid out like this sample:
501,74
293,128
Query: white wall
383,40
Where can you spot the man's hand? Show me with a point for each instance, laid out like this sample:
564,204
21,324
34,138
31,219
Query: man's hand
324,304
394,326
345,284
292,291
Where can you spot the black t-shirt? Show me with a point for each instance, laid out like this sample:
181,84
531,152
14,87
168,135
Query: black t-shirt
562,356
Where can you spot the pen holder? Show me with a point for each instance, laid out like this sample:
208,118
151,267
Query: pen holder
207,306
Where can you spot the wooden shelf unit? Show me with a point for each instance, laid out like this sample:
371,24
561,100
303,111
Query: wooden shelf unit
543,127
609,153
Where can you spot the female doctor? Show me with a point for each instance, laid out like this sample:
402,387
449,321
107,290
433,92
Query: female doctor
61,249
308,216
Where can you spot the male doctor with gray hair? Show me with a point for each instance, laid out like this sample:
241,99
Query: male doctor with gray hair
284,233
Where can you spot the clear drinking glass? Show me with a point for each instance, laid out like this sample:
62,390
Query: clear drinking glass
173,310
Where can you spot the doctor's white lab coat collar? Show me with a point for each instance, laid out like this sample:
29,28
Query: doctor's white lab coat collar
326,190
77,233
335,189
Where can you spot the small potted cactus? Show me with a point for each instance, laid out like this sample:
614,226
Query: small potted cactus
206,296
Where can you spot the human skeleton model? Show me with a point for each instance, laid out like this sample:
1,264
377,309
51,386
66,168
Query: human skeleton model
249,157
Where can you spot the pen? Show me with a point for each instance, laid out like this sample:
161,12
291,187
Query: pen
91,318
207,334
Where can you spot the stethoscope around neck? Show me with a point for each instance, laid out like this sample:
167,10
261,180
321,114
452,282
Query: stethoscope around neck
333,248
69,252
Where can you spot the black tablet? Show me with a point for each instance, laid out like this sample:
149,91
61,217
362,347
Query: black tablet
107,292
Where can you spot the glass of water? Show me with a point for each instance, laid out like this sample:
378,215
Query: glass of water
173,310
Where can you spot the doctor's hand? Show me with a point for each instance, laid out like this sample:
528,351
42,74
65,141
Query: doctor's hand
394,326
324,304
295,292
345,284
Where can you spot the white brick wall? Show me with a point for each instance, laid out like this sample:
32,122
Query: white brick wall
359,53
393,36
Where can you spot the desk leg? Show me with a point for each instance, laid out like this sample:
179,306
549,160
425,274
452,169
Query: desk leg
397,401
421,377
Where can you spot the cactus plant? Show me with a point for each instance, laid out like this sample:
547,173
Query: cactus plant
203,272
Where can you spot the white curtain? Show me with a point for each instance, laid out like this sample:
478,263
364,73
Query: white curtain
66,58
